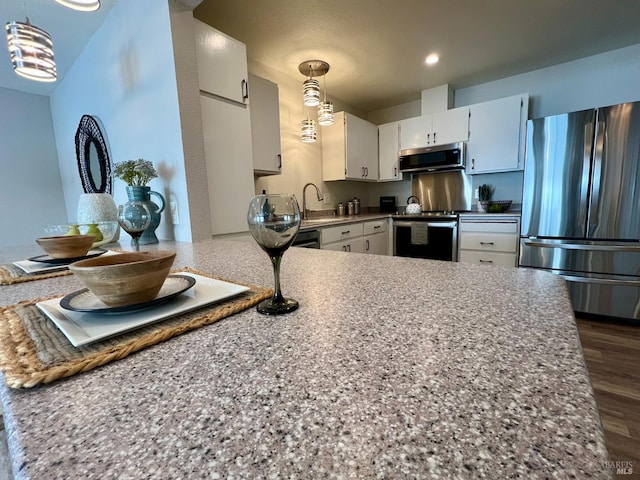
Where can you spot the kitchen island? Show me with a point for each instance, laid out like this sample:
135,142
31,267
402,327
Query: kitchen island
391,368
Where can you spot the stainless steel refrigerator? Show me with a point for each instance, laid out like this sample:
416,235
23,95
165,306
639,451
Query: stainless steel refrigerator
581,206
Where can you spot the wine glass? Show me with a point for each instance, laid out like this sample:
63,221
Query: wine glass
274,221
134,217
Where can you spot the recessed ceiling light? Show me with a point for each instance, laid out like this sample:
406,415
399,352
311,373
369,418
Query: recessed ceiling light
432,59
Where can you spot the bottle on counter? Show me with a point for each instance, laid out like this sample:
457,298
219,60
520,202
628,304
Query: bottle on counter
356,206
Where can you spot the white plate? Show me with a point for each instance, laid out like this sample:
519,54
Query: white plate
41,267
82,328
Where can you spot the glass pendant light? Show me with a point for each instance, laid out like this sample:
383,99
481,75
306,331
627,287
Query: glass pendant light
311,92
82,5
325,110
309,131
31,51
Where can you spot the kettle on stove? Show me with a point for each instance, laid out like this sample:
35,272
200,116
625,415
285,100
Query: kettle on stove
413,208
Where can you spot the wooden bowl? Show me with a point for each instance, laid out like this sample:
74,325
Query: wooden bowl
126,278
66,246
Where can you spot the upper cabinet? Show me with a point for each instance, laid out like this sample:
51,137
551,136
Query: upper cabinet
265,126
440,128
222,64
350,149
496,135
388,152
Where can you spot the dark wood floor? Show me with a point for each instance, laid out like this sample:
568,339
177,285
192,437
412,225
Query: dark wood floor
612,354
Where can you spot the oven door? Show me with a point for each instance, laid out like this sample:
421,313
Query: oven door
436,240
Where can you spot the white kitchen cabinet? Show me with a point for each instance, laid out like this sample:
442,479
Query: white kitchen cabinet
265,126
355,245
340,233
376,238
486,241
440,128
227,149
349,149
226,127
388,152
363,237
222,64
497,135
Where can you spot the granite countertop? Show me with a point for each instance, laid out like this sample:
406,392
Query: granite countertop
391,368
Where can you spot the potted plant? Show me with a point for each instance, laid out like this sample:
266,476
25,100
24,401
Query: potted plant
137,174
484,195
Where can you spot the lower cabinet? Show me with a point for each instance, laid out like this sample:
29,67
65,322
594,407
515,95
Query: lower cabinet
347,237
361,237
489,242
376,237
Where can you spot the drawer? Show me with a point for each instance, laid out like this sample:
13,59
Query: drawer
489,227
490,242
375,226
354,245
488,258
341,232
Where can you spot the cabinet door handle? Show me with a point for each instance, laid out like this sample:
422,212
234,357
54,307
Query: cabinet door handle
344,248
279,161
486,261
434,137
486,243
348,248
377,226
245,89
367,245
428,138
344,233
395,172
366,171
473,163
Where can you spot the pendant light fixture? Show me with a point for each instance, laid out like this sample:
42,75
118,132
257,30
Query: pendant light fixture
311,86
309,131
311,98
31,51
325,109
82,5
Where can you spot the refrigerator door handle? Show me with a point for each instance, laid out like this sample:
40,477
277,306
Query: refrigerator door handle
632,247
596,177
586,175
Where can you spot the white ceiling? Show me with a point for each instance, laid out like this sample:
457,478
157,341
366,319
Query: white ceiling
70,31
376,48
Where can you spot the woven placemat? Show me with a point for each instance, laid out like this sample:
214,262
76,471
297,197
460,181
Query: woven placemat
11,274
33,351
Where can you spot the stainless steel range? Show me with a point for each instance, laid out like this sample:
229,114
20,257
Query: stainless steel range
433,233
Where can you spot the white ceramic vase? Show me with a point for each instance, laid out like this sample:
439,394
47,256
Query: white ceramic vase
97,207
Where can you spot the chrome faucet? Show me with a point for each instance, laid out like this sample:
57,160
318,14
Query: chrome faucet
305,214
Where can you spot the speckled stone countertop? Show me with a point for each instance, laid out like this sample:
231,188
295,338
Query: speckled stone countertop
391,368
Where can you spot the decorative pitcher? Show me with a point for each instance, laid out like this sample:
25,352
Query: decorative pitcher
143,194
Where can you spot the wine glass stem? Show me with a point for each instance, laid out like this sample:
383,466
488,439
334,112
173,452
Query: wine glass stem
277,294
136,244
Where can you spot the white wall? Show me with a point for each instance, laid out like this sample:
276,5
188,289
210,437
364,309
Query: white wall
606,79
126,77
30,187
302,162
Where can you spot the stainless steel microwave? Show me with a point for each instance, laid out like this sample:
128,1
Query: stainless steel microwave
432,159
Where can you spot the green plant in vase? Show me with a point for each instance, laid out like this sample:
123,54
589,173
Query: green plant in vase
137,174
484,195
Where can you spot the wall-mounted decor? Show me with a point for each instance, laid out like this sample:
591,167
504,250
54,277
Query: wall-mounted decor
92,153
